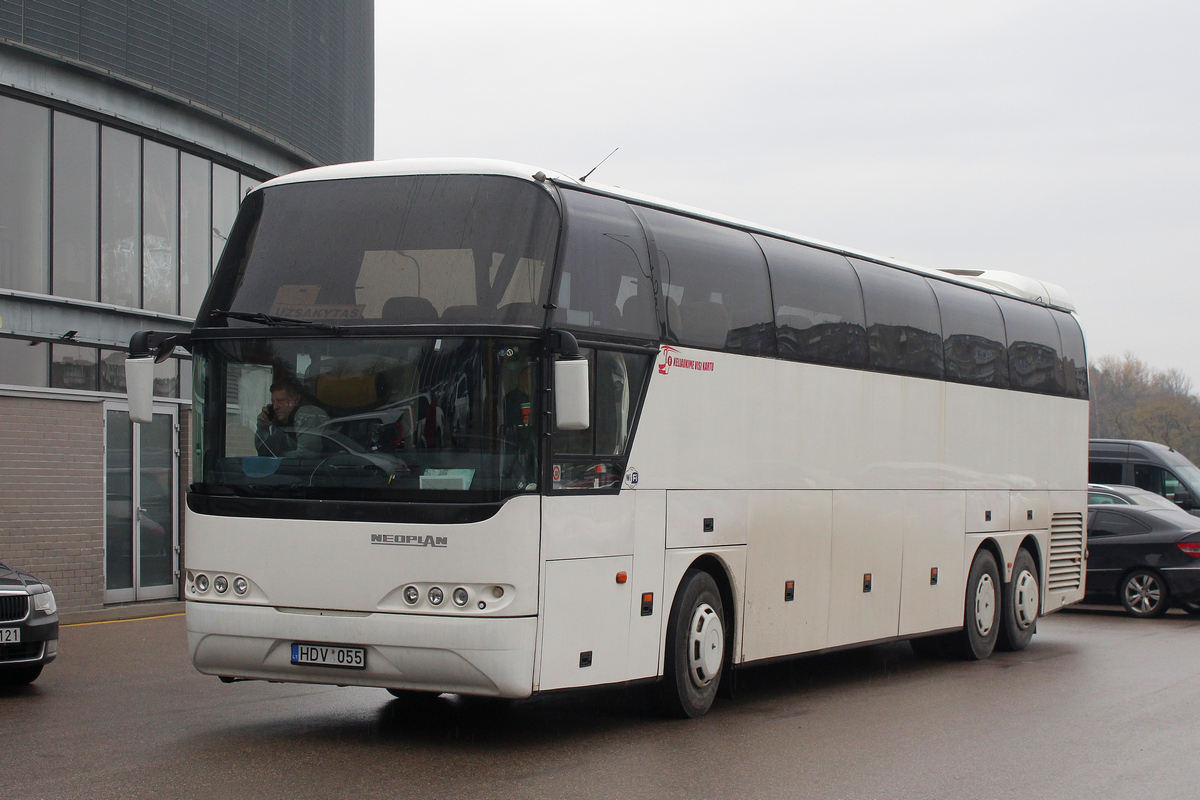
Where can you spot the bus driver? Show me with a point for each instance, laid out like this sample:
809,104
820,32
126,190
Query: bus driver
285,427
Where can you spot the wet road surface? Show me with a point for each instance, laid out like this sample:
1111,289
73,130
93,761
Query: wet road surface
1100,705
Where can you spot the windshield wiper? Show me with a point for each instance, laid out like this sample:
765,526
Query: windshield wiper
274,321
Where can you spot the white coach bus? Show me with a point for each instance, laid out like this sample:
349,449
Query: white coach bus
468,426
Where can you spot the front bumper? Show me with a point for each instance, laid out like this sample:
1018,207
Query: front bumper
479,656
38,645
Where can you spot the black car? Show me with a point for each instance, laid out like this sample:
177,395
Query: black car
1146,558
28,627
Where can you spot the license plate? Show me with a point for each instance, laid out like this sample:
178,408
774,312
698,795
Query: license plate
10,635
329,655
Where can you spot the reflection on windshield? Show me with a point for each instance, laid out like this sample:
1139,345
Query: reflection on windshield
374,419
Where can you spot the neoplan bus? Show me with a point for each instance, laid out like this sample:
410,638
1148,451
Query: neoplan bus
552,435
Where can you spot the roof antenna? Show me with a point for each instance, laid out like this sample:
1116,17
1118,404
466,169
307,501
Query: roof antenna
593,169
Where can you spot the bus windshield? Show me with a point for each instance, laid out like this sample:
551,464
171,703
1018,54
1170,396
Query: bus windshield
398,419
392,250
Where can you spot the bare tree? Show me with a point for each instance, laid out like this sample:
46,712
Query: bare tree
1131,400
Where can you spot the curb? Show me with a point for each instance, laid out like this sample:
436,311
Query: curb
154,608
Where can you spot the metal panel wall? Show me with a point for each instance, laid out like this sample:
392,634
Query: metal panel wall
301,71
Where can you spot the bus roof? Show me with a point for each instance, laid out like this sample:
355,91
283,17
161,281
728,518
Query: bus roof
998,281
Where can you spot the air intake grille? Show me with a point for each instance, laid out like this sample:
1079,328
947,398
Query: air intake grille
1066,552
22,651
13,607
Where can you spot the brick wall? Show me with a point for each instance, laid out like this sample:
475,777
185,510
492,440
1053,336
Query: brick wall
52,495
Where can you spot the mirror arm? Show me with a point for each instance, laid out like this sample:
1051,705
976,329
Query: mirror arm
564,344
158,344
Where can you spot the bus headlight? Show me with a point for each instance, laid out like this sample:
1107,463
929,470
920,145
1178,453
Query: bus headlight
201,582
460,596
221,584
411,595
241,585
436,596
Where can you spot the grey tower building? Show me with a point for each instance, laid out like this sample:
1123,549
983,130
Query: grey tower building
129,131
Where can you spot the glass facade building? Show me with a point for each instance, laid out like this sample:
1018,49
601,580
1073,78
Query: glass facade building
129,132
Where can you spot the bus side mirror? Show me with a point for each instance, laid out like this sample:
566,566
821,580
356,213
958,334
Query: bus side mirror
1183,498
139,383
570,394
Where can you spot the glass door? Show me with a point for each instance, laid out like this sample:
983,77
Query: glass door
141,505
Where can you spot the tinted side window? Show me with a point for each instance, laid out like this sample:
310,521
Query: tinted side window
1075,372
605,281
818,304
1155,479
1034,348
904,331
1105,472
714,284
974,336
1113,523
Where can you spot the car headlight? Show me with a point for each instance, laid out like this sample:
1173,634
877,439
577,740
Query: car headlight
44,602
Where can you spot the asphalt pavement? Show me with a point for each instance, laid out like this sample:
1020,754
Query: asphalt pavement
1100,705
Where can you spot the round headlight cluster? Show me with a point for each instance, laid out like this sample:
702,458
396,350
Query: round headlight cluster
426,595
220,583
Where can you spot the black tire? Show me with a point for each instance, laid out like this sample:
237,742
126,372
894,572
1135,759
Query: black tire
19,676
981,615
1021,604
1144,593
696,648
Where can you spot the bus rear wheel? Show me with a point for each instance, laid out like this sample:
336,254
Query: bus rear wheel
982,616
695,654
1022,598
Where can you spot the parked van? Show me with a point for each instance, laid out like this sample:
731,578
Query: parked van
1146,465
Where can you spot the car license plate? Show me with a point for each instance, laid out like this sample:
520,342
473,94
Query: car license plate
10,635
329,655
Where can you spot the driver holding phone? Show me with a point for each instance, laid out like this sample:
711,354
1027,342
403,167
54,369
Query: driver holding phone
287,427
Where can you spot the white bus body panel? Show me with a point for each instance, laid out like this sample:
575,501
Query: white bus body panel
587,541
491,657
790,539
828,474
354,573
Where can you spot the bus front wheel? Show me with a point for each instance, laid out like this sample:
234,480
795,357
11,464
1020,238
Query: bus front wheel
695,653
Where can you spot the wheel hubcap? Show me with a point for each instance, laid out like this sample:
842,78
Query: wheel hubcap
1025,599
985,605
706,645
1143,594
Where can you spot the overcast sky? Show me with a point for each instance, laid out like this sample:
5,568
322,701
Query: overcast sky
1060,140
